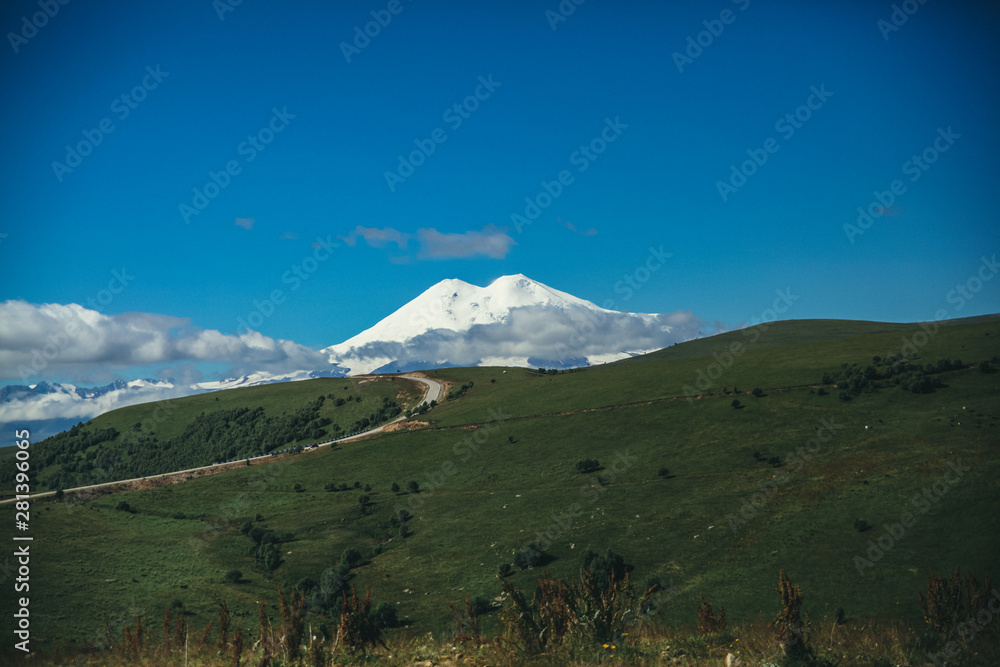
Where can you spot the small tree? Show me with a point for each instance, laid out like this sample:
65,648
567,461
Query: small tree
395,487
588,465
233,577
385,616
757,392
736,404
413,486
663,472
351,557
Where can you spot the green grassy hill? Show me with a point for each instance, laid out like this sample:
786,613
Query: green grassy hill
497,469
165,436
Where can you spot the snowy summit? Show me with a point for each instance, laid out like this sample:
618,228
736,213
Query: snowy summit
514,321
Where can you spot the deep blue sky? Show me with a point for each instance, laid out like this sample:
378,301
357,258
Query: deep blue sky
655,185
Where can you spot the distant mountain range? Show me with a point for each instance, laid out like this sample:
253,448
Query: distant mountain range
514,321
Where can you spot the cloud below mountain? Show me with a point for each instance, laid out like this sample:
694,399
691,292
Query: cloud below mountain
550,336
69,340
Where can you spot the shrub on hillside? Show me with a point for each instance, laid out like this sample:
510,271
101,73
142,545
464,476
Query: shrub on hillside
385,616
588,465
351,557
233,577
531,555
605,568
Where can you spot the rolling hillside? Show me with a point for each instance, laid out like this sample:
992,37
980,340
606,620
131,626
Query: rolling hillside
702,496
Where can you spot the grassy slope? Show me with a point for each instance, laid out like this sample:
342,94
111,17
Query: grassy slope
168,419
499,496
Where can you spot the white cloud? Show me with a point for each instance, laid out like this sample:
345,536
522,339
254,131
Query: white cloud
560,337
69,340
377,238
492,242
61,405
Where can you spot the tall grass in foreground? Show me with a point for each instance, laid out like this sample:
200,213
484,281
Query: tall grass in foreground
592,621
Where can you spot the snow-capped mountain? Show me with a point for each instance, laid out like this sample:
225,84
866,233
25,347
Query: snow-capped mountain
49,407
514,321
254,379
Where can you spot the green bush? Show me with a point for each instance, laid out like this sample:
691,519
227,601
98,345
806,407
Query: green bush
385,616
351,557
233,577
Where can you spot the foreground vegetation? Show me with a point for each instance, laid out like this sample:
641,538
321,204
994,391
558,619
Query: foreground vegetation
857,497
591,621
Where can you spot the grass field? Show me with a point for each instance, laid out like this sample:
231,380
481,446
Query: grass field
163,421
497,470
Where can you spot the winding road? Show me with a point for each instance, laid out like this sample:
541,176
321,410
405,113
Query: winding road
434,391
